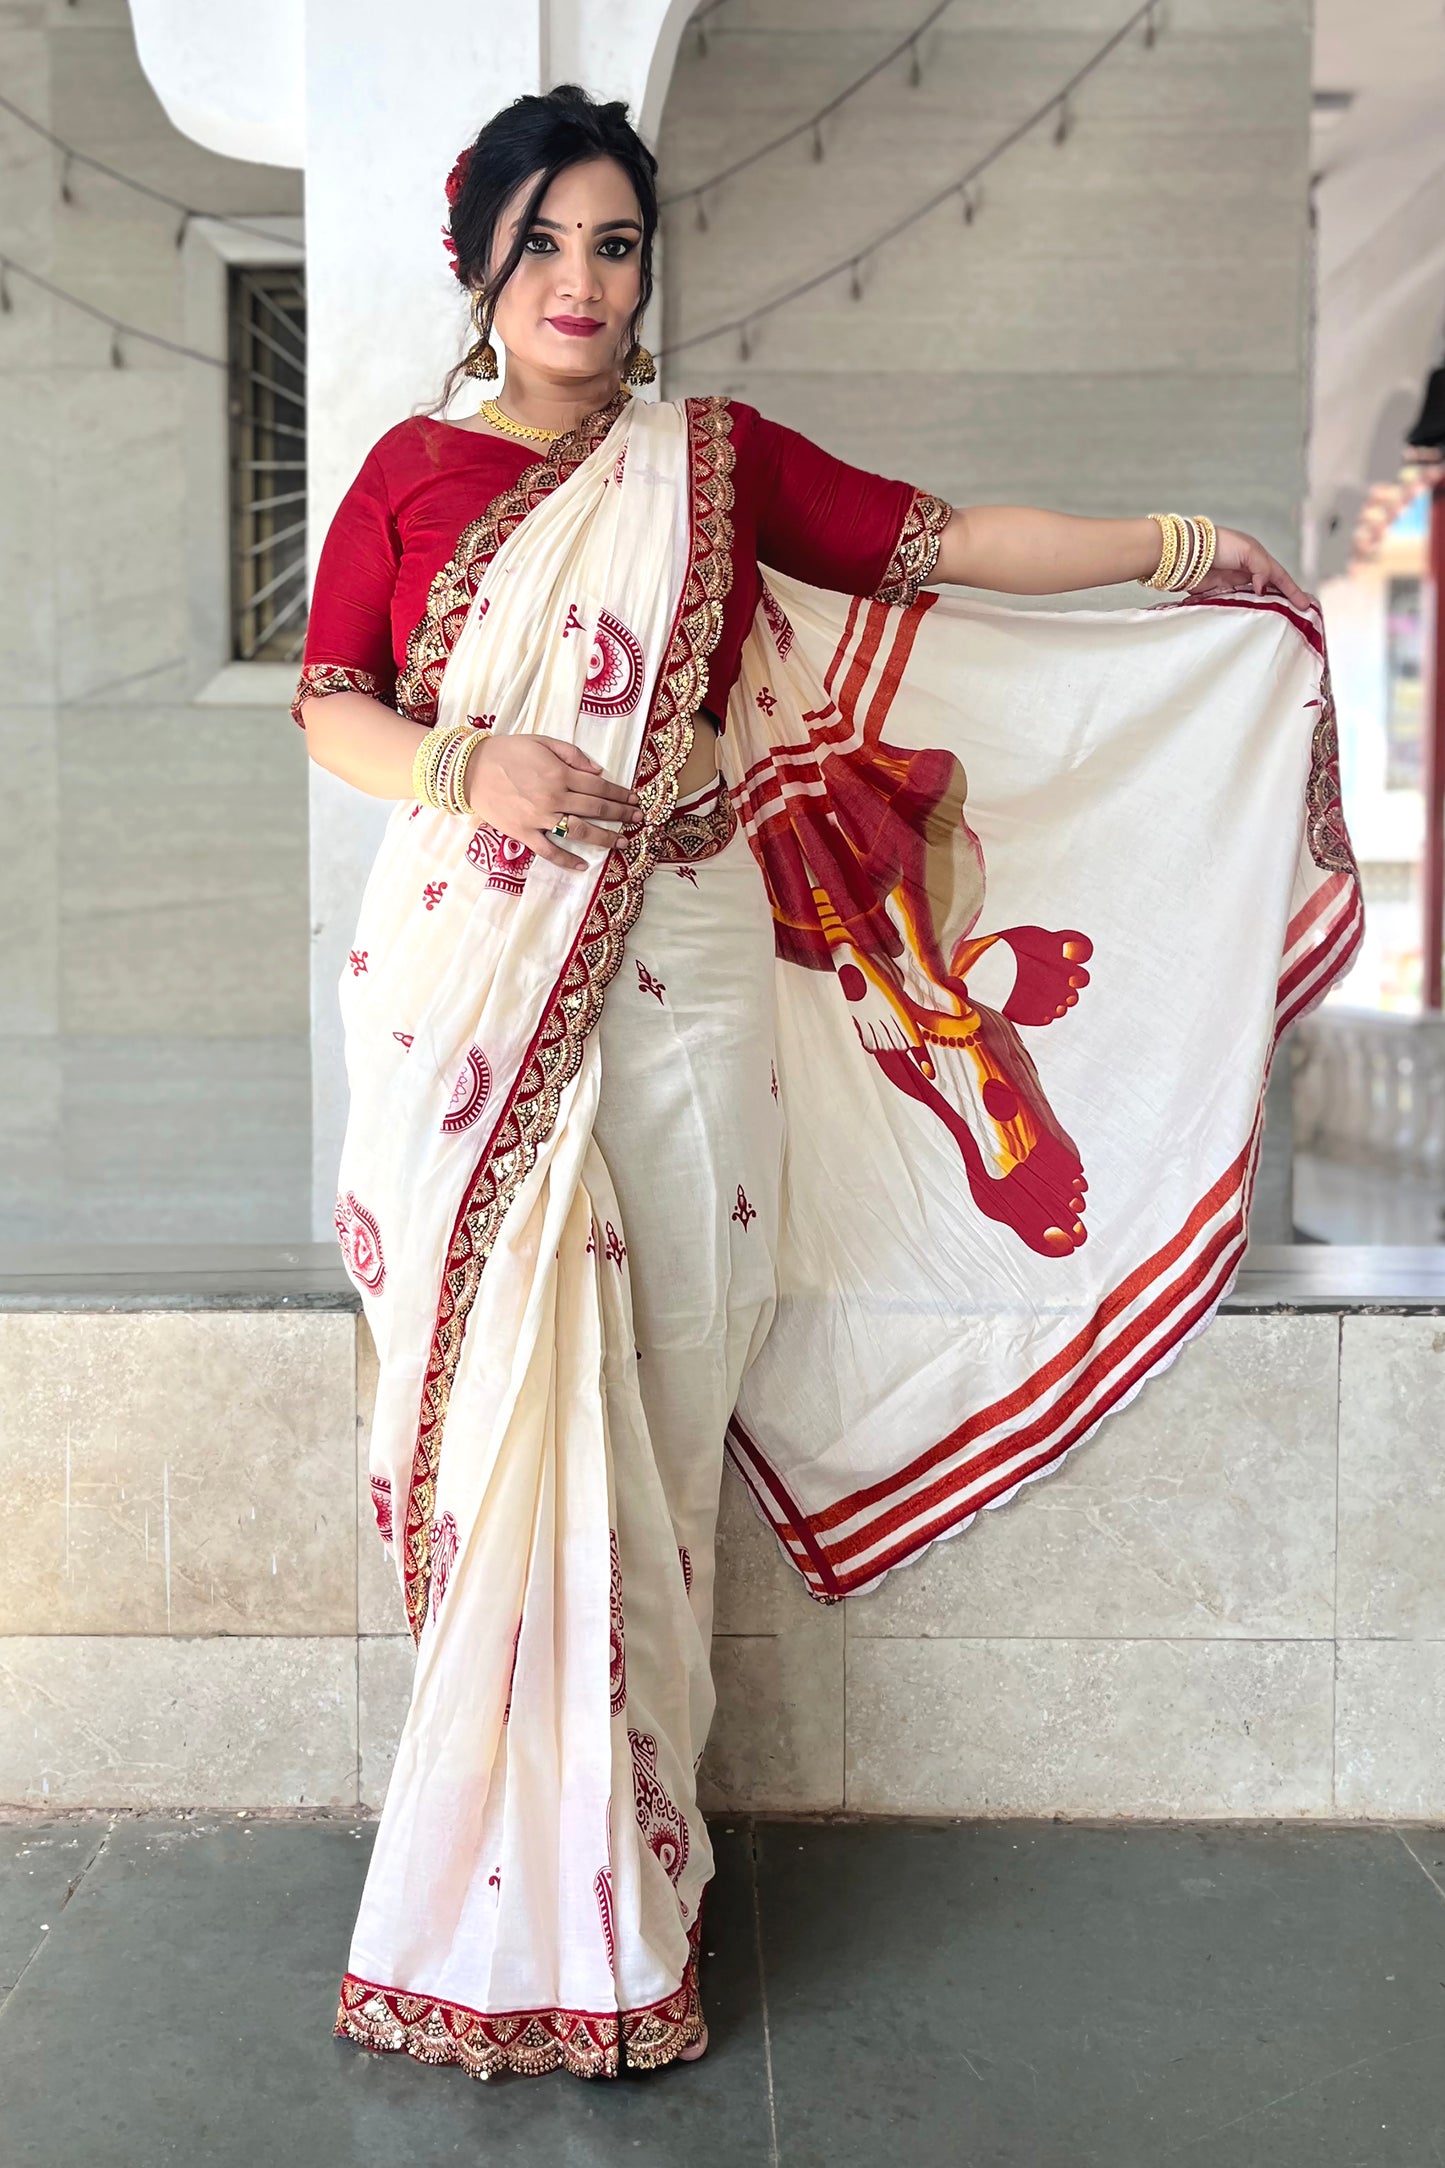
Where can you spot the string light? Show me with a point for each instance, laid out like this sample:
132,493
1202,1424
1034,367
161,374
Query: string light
72,157
117,328
812,123
961,185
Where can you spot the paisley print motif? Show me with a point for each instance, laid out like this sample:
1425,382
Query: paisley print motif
664,1830
470,1093
614,669
503,858
360,1239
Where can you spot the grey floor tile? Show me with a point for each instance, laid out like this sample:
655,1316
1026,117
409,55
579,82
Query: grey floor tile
40,1864
182,2008
1026,1995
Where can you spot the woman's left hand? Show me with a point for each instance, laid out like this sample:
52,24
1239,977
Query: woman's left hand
1240,561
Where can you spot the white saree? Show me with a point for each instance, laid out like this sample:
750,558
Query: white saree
913,1202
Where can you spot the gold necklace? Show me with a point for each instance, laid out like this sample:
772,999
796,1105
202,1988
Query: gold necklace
489,411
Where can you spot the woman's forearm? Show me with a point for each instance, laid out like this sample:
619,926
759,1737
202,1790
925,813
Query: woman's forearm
363,741
1018,550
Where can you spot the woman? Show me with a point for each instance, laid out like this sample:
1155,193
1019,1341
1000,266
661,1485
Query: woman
793,1177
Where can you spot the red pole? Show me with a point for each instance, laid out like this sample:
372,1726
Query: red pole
1433,870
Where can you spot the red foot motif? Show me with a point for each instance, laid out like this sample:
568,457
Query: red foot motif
1049,975
1040,1197
381,1505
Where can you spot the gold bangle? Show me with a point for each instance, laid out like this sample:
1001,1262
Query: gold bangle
431,754
1186,552
451,779
1169,533
1206,554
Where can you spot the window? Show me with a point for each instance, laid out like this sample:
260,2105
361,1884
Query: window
1404,714
267,319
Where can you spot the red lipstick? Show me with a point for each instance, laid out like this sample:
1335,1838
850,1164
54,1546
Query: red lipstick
575,327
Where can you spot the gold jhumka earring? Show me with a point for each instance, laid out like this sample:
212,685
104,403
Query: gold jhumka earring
482,360
641,368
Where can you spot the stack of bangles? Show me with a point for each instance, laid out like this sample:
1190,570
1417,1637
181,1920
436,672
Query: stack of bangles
439,771
1187,552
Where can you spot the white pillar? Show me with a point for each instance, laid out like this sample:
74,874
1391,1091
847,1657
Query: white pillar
378,99
392,94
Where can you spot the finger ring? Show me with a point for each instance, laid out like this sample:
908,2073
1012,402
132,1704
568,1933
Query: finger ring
559,830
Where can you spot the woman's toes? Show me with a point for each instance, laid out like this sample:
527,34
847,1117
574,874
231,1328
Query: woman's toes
699,2047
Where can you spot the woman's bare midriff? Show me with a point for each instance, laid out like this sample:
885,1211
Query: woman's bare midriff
701,764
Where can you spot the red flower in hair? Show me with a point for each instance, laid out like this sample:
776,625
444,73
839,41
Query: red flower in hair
455,180
457,177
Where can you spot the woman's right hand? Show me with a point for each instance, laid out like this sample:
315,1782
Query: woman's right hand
520,783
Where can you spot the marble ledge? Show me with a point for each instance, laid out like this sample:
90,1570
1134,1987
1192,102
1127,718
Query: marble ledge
1278,1280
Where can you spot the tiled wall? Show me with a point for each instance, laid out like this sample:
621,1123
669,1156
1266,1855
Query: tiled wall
1229,1603
154,1059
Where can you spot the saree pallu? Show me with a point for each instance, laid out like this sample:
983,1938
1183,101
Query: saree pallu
992,1181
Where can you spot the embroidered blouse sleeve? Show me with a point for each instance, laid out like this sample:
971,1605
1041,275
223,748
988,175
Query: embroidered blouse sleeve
348,633
839,526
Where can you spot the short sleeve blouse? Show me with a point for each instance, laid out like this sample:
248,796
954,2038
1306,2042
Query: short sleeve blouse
796,508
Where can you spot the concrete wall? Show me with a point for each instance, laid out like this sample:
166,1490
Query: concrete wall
153,1001
1229,1605
1123,328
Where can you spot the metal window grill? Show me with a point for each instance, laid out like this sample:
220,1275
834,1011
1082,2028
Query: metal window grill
267,312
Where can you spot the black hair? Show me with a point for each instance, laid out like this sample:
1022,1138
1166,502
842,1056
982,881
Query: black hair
539,135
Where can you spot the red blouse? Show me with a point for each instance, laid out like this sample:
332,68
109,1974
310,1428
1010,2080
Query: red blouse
795,507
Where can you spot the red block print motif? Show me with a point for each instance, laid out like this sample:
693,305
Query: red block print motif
443,1553
574,622
470,1093
602,1891
360,1239
742,1211
767,699
685,1561
875,873
686,873
504,858
614,669
664,1831
381,1505
404,1038
614,1248
357,961
432,894
647,984
617,1658
778,623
